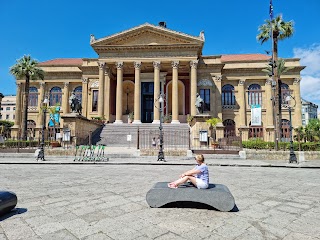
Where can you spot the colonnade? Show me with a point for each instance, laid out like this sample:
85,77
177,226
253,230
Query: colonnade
104,92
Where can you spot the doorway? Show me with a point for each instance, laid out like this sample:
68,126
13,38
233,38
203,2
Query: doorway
147,102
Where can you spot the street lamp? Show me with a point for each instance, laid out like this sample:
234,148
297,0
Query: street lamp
161,154
44,112
288,99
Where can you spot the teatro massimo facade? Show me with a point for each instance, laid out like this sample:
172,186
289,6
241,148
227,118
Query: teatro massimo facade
135,66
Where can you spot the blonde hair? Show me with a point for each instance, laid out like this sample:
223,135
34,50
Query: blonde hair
200,157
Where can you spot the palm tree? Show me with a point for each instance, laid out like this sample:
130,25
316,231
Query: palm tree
277,29
213,122
26,68
281,68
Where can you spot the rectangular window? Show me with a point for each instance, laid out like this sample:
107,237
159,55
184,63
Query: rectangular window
205,95
14,108
95,100
8,108
7,116
14,116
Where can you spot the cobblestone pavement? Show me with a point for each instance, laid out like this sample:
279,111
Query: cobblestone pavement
108,202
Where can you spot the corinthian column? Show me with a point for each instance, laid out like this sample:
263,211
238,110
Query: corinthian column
84,96
297,121
175,92
119,66
156,106
101,89
137,83
107,94
65,100
193,87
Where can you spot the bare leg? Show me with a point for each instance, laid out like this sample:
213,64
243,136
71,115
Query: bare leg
183,180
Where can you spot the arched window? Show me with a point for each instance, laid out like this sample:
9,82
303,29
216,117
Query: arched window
255,131
285,130
55,96
229,128
33,97
254,95
228,95
78,92
285,91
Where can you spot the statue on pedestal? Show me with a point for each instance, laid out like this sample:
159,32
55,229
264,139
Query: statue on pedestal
75,104
199,104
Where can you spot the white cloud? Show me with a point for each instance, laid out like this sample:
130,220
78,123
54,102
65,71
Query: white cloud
310,82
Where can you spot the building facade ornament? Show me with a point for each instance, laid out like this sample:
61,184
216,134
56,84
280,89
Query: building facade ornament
66,84
201,35
242,82
175,64
84,80
94,84
119,65
137,64
19,84
217,78
101,65
205,83
269,81
157,64
296,80
42,84
194,63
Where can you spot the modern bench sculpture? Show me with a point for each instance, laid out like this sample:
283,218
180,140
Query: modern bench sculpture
217,196
8,201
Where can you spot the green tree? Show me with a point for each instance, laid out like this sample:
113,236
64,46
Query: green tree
281,68
277,29
26,68
213,123
313,130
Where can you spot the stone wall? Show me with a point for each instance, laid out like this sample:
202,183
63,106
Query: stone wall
280,155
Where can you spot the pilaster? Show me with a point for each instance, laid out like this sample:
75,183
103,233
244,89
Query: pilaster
269,106
84,103
296,119
242,103
65,98
107,94
218,106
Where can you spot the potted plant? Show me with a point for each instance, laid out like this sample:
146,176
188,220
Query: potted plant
213,123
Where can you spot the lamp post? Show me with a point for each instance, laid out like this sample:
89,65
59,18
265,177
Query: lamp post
161,154
288,99
44,112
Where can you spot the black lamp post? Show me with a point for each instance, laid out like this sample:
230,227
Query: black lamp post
161,154
44,112
293,157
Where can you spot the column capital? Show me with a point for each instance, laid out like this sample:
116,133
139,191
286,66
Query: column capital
137,64
269,81
242,81
175,64
84,80
157,64
119,65
296,81
66,84
194,63
216,78
101,64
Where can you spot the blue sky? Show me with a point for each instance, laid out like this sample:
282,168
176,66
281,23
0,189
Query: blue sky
61,29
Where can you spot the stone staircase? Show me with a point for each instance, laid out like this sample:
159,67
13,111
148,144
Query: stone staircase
118,135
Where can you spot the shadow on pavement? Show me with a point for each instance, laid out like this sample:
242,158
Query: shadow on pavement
13,212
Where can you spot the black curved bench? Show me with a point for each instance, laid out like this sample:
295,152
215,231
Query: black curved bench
8,201
217,196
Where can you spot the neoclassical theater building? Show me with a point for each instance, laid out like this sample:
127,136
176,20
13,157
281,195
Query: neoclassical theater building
135,66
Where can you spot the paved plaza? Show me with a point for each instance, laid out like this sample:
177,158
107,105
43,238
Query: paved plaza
108,202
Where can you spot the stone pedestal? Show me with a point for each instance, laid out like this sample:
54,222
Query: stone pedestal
80,128
199,124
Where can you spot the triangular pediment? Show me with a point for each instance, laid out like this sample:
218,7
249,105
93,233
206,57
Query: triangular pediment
147,35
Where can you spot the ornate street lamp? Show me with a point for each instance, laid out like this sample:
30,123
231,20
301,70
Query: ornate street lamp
44,112
288,99
161,154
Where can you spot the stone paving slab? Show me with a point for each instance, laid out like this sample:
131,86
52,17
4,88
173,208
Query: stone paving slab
96,202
